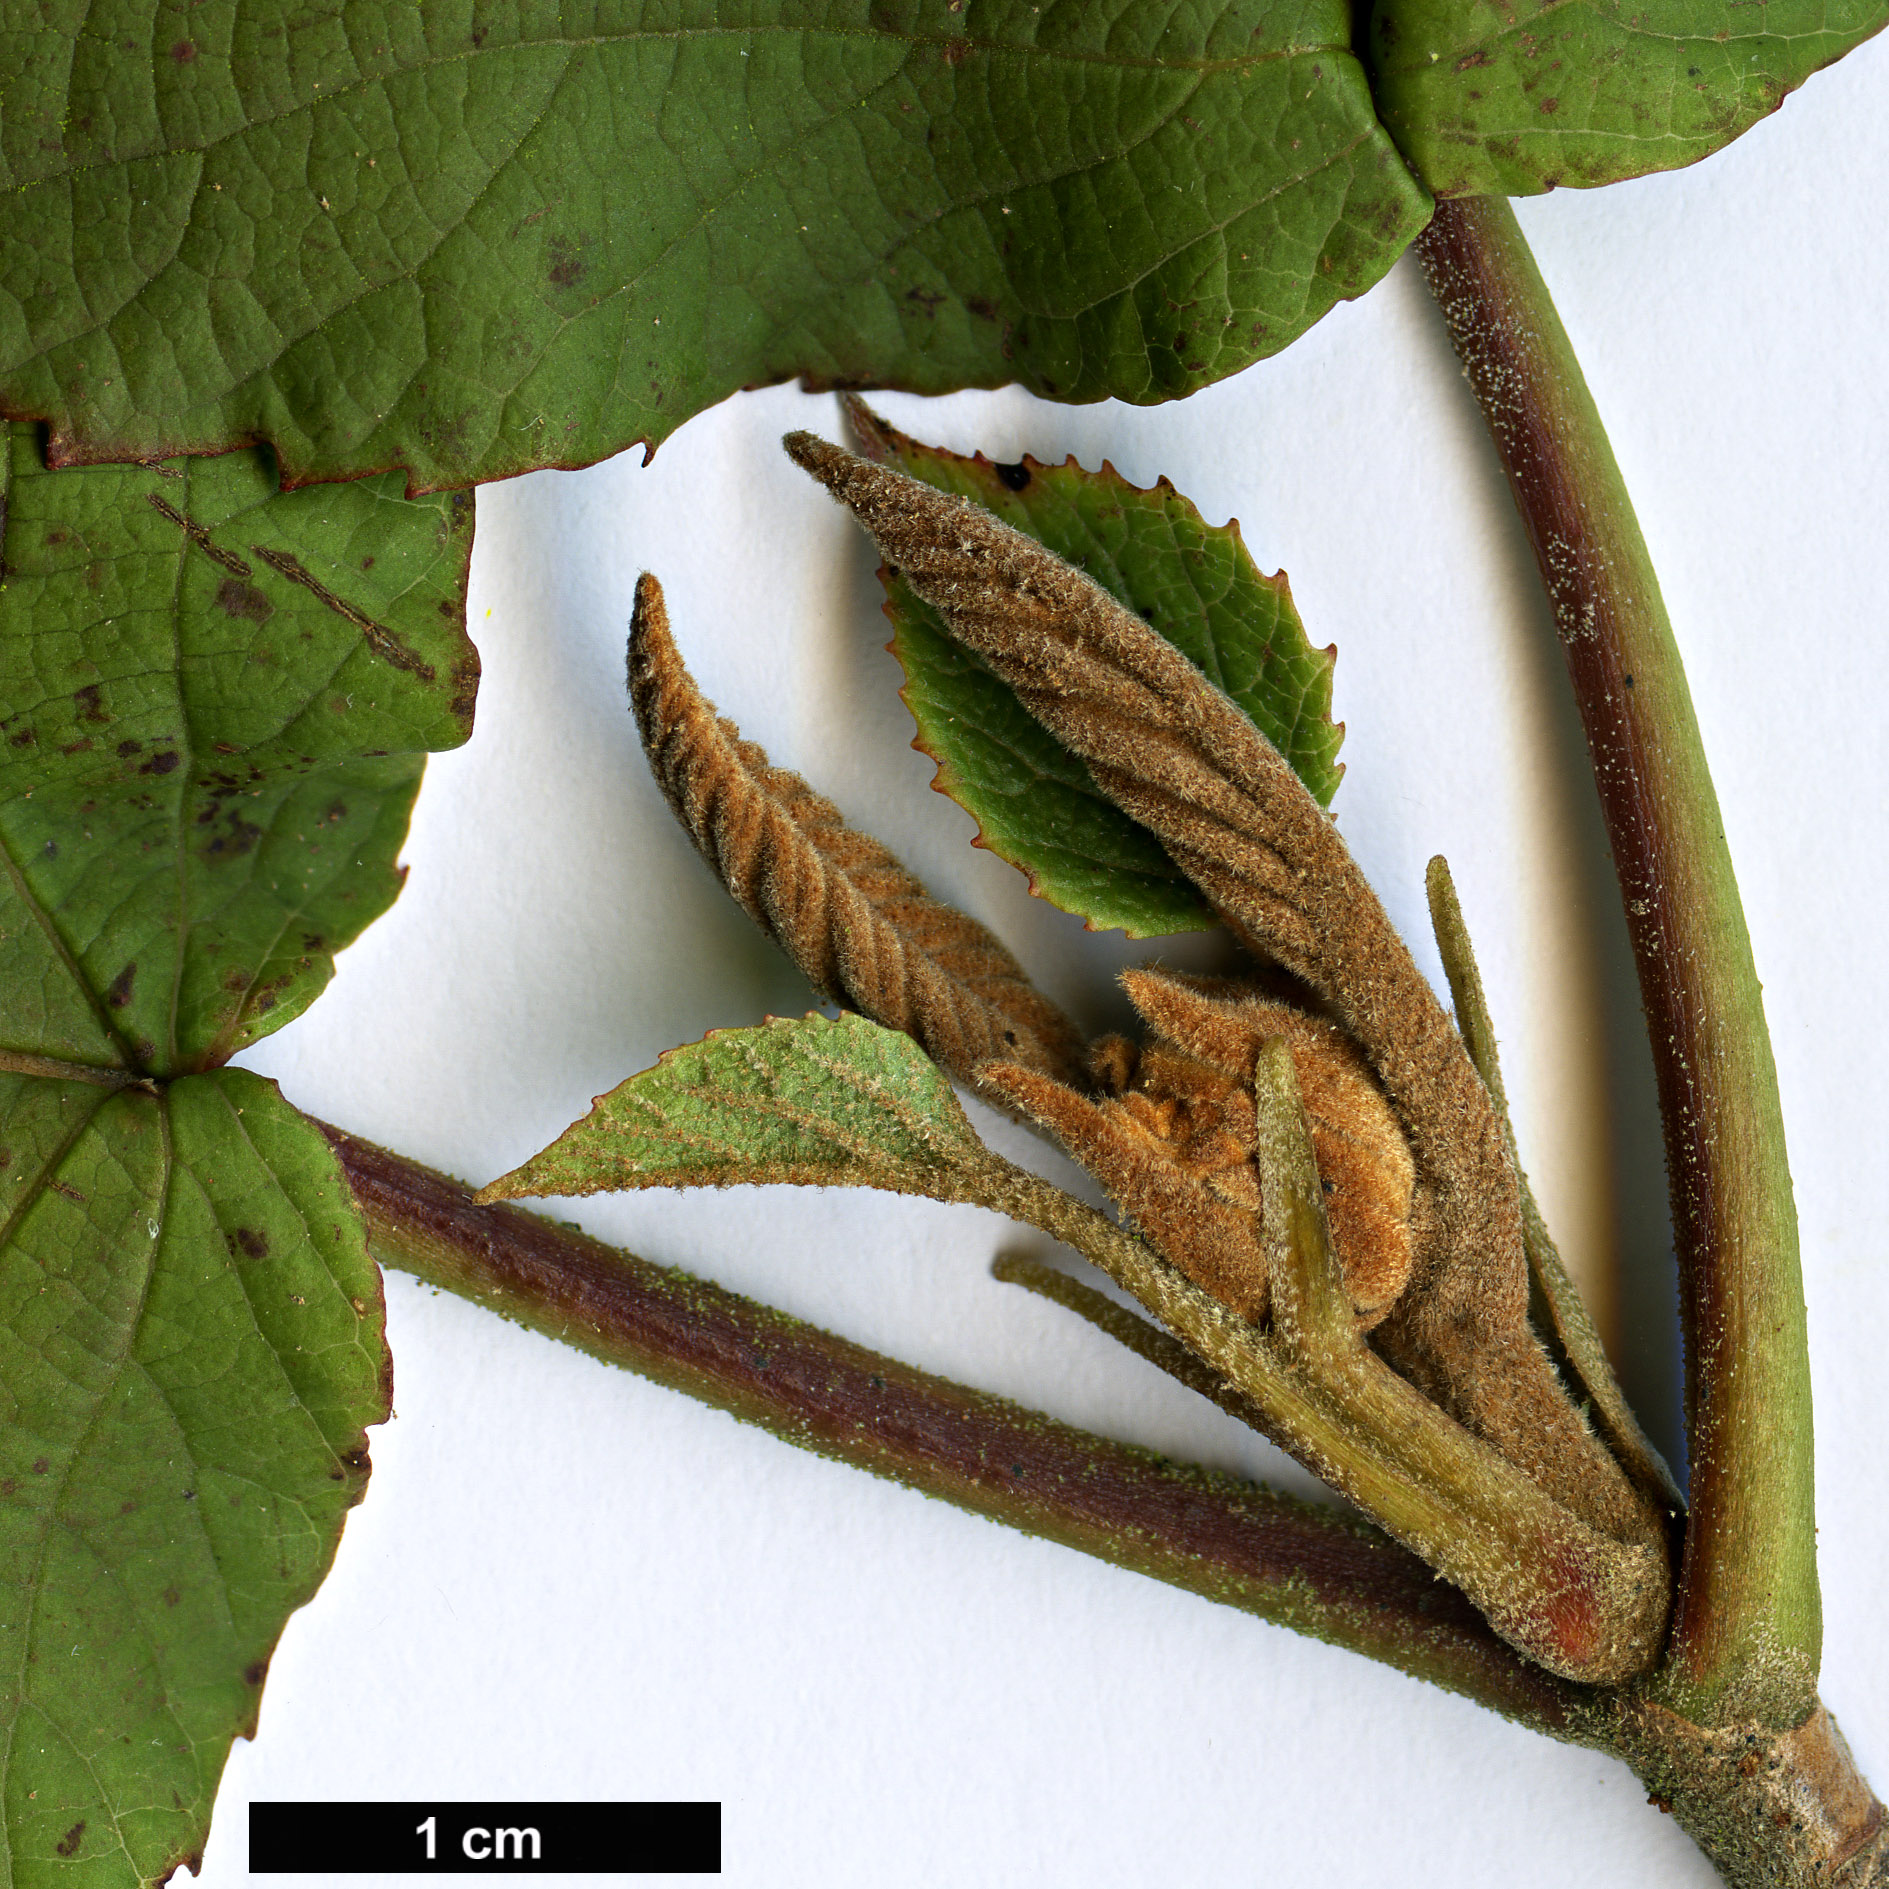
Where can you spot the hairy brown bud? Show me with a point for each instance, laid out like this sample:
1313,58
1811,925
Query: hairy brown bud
1173,1139
1178,756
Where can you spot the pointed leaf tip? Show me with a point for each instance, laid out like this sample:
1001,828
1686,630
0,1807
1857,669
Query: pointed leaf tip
813,1101
1036,803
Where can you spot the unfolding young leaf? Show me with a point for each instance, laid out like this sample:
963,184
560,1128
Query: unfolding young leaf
819,1101
861,928
1181,759
1485,97
215,698
467,239
1036,803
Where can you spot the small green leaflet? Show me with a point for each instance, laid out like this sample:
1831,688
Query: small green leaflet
191,1345
468,239
1036,804
1488,98
818,1101
214,702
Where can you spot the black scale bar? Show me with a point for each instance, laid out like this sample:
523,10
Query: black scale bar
487,1839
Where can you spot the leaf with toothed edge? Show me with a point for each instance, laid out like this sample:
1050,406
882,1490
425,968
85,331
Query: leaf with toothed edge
216,700
468,240
1489,98
816,1101
1036,804
191,1346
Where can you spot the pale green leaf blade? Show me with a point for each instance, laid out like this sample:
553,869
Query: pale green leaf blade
215,698
1487,98
1035,803
466,240
191,1346
817,1101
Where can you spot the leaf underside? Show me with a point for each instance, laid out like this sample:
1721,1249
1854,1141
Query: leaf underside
1036,804
467,240
816,1101
215,701
1488,98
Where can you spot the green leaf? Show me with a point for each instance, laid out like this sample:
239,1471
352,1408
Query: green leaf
1485,97
215,700
1035,803
818,1101
190,1347
467,239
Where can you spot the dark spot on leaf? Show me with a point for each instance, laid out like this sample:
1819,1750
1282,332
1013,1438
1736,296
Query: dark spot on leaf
118,993
40,1465
189,1495
237,599
126,749
982,307
185,52
26,738
1469,59
367,563
82,746
52,849
171,1597
956,51
567,263
89,701
237,842
255,1672
1014,477
6,1157
166,763
68,1845
1551,104
255,1244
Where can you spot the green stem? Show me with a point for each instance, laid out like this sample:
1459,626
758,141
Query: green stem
1747,1631
1306,1568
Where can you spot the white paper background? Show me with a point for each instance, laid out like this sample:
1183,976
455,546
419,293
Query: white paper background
566,1583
